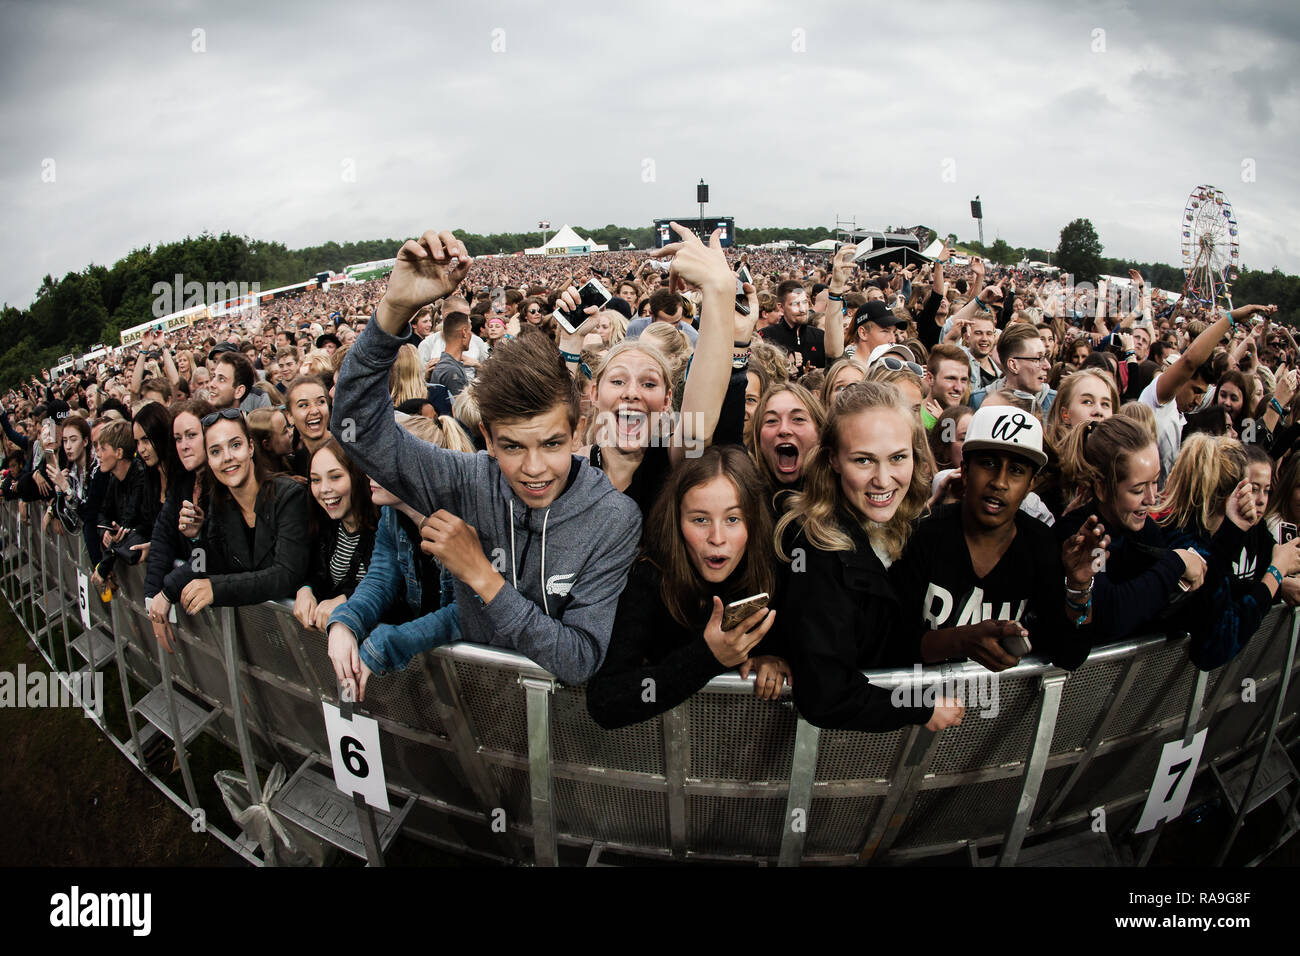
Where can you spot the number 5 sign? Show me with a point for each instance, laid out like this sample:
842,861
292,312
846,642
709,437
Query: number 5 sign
83,598
354,751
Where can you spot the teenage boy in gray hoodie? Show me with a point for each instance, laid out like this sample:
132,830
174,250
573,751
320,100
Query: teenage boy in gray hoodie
539,542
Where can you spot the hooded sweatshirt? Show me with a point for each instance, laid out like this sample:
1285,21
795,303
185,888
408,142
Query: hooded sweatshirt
564,565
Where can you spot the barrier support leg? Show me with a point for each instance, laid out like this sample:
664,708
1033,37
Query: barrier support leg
803,768
1244,807
918,750
123,678
677,758
237,702
1049,706
1190,724
178,738
540,780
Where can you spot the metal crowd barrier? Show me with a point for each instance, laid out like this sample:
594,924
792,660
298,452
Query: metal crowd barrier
493,756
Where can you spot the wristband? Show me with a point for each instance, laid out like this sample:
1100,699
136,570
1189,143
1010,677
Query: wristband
1274,404
1277,575
740,361
1084,611
982,305
836,298
570,357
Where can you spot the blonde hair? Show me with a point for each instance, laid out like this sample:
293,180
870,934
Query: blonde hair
443,431
833,372
647,349
1055,428
1207,470
617,325
671,342
1141,413
406,377
818,506
770,358
319,362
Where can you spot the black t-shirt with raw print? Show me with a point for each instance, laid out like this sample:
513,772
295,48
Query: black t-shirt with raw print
938,588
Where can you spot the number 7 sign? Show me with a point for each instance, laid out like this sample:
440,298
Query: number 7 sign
1173,782
354,752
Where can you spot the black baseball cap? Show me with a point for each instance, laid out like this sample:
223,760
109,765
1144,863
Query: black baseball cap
328,337
877,312
222,347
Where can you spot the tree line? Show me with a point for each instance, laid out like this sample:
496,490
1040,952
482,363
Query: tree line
70,314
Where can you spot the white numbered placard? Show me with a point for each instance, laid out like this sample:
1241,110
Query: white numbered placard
83,598
354,751
1173,781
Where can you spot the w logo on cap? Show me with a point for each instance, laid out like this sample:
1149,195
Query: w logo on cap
1007,427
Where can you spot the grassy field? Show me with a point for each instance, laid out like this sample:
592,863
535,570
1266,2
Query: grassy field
76,799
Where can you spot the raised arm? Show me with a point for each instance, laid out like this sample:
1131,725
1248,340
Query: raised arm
706,384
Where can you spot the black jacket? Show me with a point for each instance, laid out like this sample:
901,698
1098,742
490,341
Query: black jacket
278,562
127,501
327,540
840,615
649,645
806,340
167,543
1138,582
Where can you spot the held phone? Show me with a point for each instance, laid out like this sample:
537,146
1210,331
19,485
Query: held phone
1016,645
593,293
742,301
1285,532
737,611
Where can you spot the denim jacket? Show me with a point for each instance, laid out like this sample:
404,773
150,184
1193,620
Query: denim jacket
393,563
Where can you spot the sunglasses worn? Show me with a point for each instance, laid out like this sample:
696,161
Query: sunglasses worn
230,414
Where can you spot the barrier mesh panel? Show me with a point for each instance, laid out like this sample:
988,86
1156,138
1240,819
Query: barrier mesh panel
969,811
495,704
737,737
516,798
849,755
614,814
262,642
577,739
1162,689
1081,703
739,825
838,827
991,742
406,697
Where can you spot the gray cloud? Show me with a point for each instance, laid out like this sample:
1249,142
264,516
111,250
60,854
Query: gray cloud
793,115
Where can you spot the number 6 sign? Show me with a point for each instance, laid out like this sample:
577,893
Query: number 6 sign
354,751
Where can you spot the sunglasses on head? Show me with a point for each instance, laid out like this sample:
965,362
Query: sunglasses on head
895,364
227,413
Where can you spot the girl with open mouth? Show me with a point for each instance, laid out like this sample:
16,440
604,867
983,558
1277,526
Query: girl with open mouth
309,413
707,544
783,435
344,522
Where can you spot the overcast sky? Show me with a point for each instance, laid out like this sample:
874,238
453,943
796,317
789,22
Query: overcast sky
305,122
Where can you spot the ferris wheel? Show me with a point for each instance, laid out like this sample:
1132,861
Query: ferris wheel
1211,258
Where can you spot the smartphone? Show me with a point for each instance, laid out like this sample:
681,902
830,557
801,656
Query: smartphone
1016,645
593,293
1285,532
742,301
737,611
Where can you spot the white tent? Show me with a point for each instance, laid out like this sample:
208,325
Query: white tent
566,242
826,245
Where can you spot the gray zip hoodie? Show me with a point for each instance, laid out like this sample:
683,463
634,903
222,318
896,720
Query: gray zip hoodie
565,565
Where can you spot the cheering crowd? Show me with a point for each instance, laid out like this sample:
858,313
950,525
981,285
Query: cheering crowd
818,471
